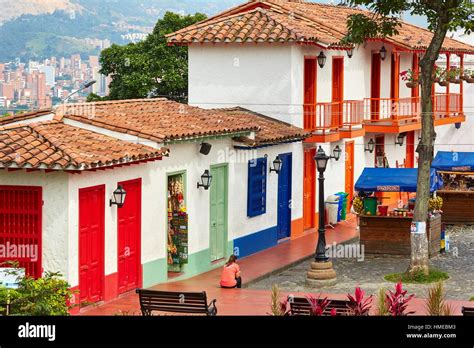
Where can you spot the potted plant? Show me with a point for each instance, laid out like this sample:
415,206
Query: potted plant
453,75
410,77
437,74
468,76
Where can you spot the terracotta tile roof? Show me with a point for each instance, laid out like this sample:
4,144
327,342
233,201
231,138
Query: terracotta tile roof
271,131
160,120
296,21
24,116
55,145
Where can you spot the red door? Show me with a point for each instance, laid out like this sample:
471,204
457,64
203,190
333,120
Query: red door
375,87
309,188
129,230
410,155
309,93
395,77
379,151
349,177
21,226
337,90
91,243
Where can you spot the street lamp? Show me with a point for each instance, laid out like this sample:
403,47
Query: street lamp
84,86
350,52
400,138
119,197
383,53
370,146
206,179
321,59
336,153
277,163
321,272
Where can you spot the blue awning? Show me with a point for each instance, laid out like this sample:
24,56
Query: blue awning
454,161
393,180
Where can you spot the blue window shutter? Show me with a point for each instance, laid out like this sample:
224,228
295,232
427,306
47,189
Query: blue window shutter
257,187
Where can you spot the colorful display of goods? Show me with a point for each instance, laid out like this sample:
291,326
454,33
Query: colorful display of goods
435,203
177,222
358,205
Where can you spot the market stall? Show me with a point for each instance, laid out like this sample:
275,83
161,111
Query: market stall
388,231
457,172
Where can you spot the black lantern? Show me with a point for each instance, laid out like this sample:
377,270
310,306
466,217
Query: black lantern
336,153
383,53
119,197
321,160
400,138
206,180
321,59
350,53
277,163
370,146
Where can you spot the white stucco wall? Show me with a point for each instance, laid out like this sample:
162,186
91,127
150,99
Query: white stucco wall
183,157
55,215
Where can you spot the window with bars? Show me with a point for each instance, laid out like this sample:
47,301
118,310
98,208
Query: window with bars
257,187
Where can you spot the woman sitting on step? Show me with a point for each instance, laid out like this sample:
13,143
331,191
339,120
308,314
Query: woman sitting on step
231,274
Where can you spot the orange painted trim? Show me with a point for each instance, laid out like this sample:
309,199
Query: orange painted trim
296,228
450,120
392,129
346,134
326,138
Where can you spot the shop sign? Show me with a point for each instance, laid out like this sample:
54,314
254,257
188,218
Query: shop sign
388,188
462,169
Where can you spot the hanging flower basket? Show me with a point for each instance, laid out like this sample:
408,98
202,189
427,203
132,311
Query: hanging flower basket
456,80
436,80
443,83
468,79
412,84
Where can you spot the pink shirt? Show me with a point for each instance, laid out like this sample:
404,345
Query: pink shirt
229,274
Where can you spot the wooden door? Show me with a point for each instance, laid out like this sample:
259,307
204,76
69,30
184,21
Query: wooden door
375,87
218,212
309,188
379,151
337,90
410,150
309,93
129,231
395,77
91,243
284,197
349,171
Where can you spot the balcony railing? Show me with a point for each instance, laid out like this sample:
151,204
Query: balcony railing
330,117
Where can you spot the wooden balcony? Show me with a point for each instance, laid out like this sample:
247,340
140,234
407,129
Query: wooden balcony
333,121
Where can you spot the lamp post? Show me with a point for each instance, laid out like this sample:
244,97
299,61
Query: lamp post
321,272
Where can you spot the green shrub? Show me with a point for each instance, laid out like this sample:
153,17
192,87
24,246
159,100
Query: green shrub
49,295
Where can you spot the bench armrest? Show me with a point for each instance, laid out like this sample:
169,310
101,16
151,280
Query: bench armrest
212,309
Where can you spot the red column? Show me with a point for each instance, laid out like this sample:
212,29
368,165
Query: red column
448,67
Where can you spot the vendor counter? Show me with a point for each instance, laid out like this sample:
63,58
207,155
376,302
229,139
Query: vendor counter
458,206
391,234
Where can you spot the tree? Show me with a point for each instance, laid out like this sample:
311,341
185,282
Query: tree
150,67
442,16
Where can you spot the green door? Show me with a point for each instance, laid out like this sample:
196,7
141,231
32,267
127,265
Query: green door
218,213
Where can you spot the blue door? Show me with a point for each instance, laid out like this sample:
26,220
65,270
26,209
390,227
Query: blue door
284,197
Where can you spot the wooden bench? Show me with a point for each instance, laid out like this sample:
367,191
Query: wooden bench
301,306
175,302
468,311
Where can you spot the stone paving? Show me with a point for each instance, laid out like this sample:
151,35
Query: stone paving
457,262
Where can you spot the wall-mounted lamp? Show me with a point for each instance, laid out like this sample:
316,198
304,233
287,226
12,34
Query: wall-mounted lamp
336,153
206,179
457,125
205,148
350,53
370,146
321,59
119,197
383,53
400,138
277,164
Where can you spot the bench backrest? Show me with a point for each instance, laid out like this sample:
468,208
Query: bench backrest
301,306
176,302
468,311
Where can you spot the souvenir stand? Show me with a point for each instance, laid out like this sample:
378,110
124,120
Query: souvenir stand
384,231
457,172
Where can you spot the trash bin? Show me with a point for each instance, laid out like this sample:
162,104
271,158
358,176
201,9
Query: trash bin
370,205
332,208
342,213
